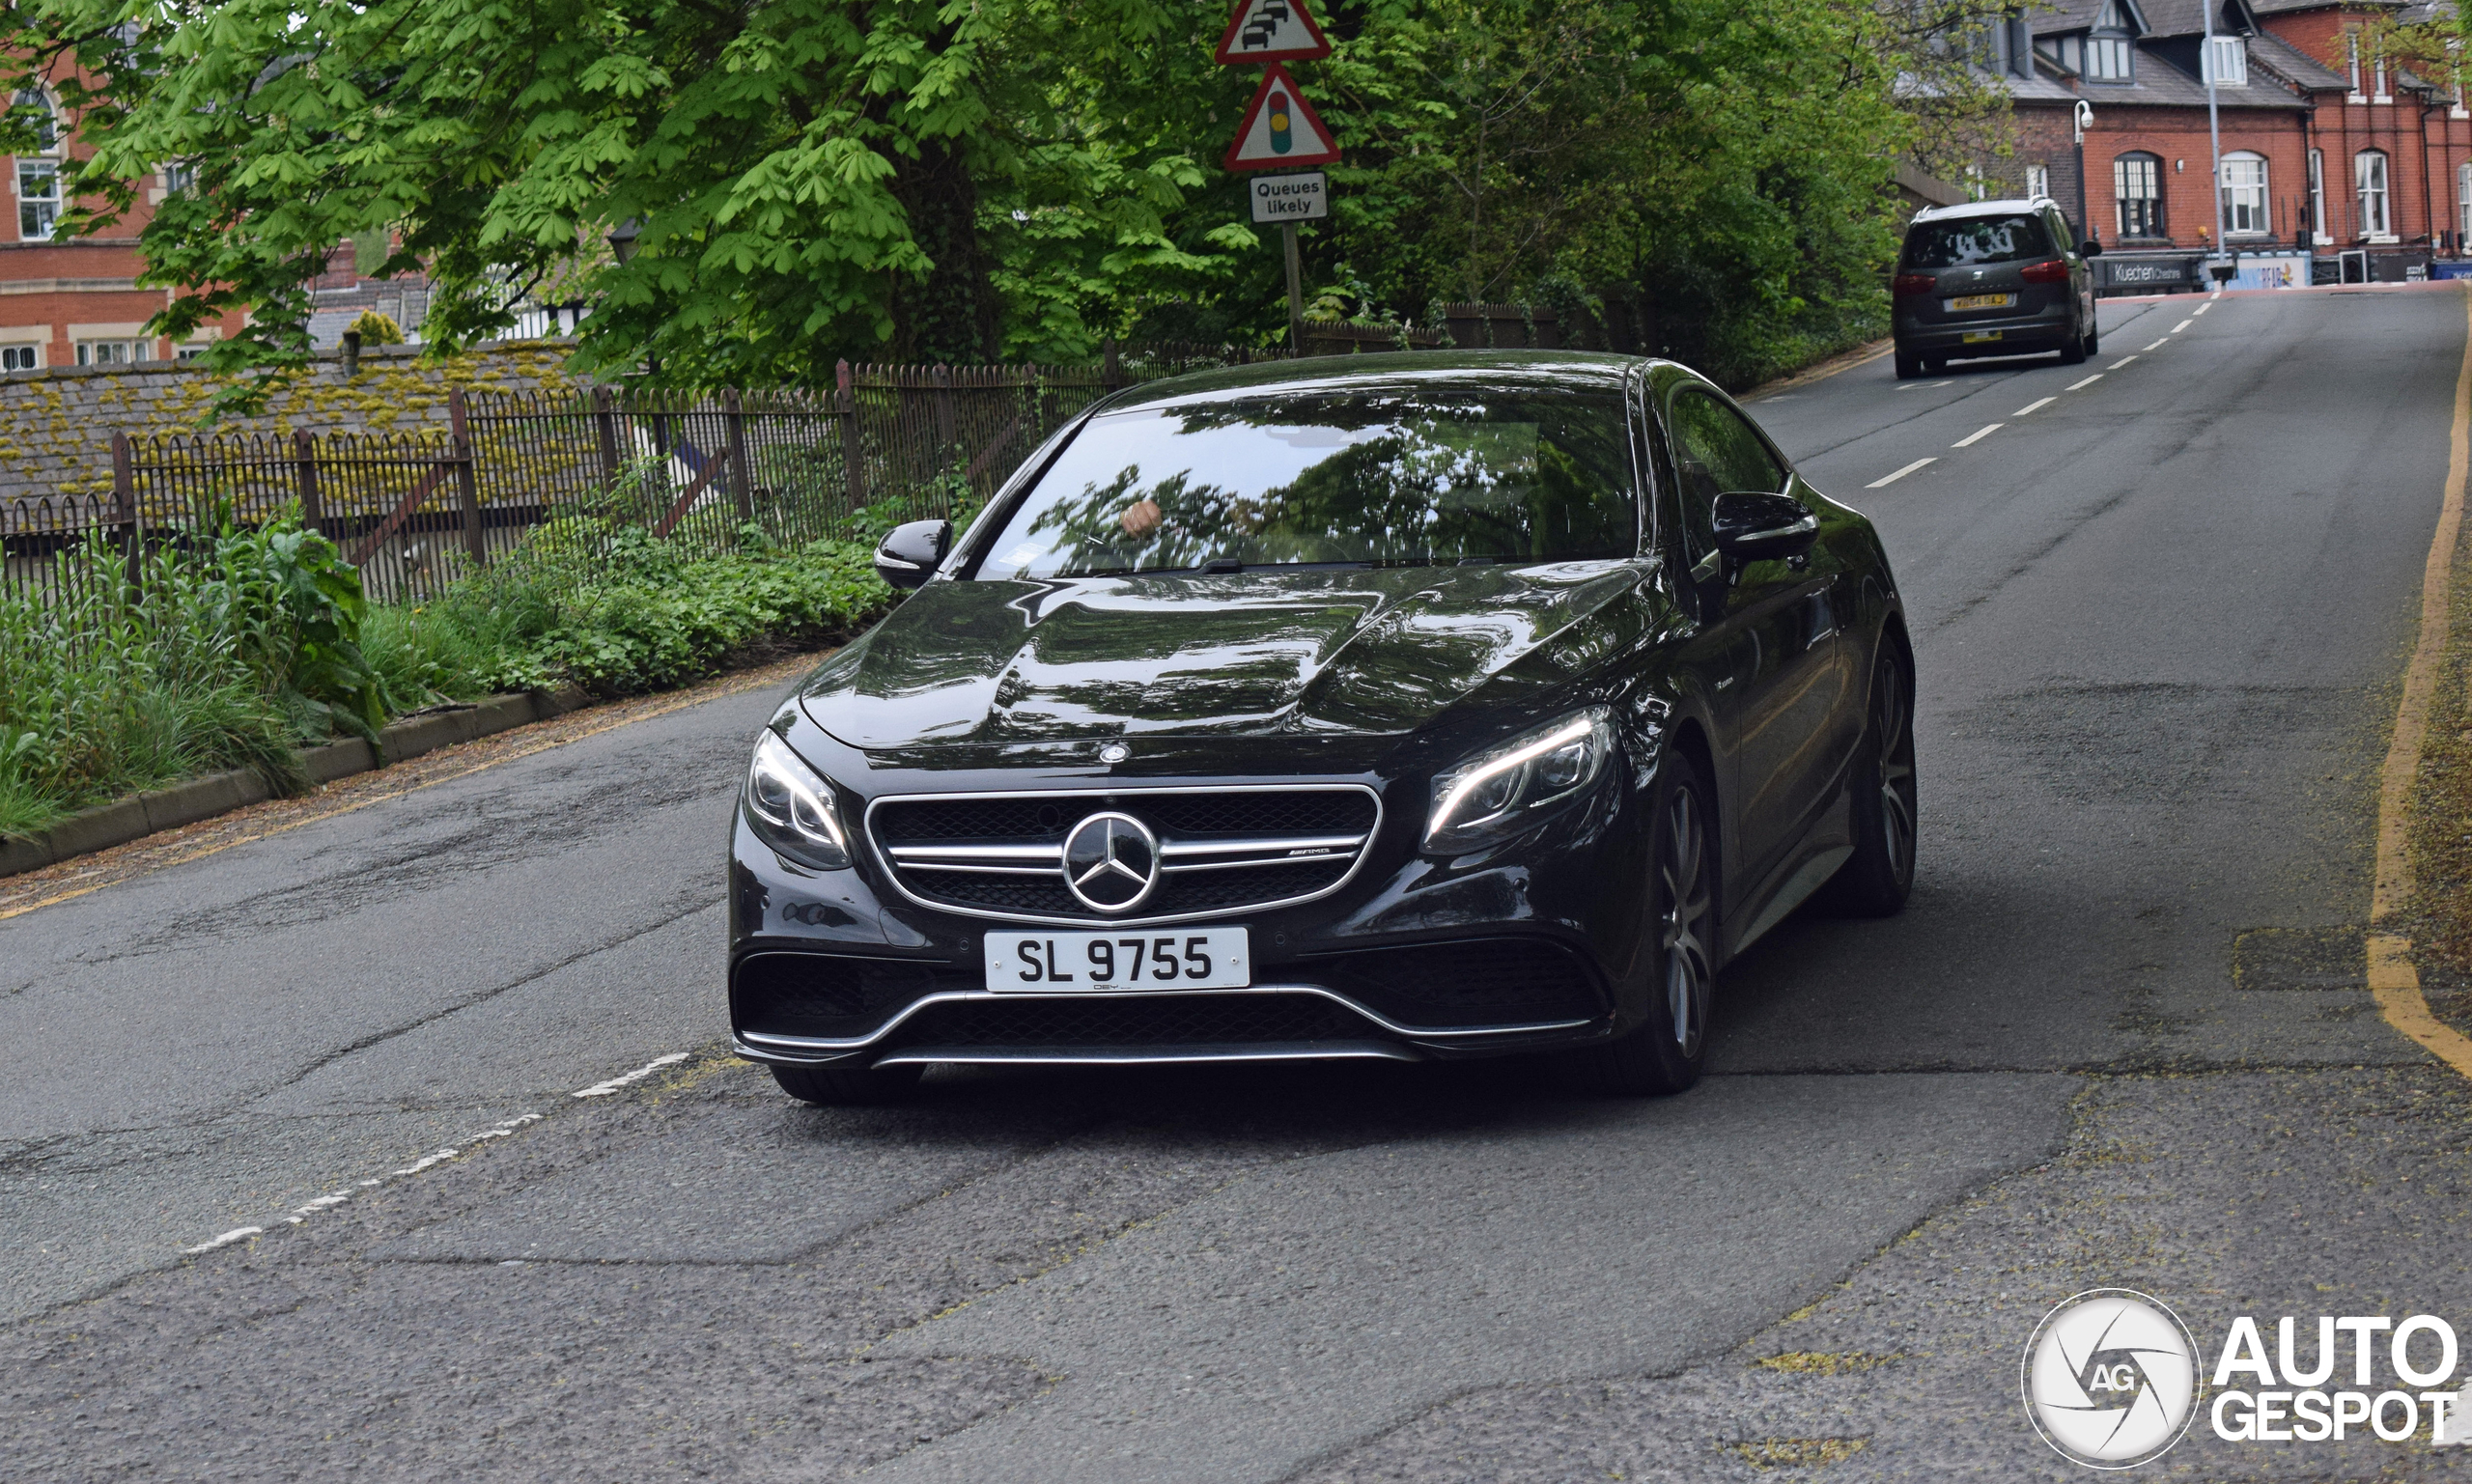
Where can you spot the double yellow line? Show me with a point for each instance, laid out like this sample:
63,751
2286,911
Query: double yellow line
2392,977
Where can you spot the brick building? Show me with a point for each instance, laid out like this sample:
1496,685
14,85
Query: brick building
2328,152
74,302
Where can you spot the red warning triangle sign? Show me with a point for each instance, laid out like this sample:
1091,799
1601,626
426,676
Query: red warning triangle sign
1272,30
1281,128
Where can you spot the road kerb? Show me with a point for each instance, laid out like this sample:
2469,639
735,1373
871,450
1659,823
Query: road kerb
2391,979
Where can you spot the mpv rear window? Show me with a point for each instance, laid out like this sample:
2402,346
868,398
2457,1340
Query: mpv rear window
1972,241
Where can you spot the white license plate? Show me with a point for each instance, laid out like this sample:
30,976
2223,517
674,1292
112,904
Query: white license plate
1062,963
1982,301
1975,335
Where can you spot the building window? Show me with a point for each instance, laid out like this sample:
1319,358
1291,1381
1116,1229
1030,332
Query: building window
2037,180
2352,62
2244,194
178,177
39,177
2462,206
2369,178
2317,195
2137,182
2107,58
187,352
114,352
37,200
20,357
2228,64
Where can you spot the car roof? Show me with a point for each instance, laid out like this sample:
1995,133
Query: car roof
1594,372
2011,206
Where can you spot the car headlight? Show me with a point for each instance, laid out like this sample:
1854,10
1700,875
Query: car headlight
791,809
1502,791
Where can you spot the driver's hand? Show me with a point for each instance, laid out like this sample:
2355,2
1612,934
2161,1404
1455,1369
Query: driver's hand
1140,519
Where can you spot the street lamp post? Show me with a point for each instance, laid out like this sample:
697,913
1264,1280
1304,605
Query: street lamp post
2085,117
2215,134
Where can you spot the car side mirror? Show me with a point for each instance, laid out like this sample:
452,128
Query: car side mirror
2094,247
910,554
1756,526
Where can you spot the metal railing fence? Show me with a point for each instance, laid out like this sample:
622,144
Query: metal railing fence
413,510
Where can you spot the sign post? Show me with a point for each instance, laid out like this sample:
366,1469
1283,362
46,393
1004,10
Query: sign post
1280,127
1289,199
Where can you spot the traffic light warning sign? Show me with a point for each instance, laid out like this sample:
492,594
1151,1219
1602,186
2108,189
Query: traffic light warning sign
1281,128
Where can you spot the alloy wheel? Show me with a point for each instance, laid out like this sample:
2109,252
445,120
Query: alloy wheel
1892,724
1688,914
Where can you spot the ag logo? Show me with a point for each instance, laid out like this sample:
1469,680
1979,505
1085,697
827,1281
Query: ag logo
2111,1379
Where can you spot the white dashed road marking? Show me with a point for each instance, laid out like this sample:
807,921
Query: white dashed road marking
2042,401
226,1240
1901,473
2117,364
2089,381
1923,386
300,1214
605,1089
2157,345
2183,324
1979,434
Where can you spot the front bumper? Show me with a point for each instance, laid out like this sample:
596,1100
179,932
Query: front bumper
1527,948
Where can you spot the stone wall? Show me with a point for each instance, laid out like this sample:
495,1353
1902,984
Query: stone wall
56,425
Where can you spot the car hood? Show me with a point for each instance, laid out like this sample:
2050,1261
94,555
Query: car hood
1311,652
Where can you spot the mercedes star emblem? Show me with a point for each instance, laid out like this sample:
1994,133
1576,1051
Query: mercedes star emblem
1115,752
1110,862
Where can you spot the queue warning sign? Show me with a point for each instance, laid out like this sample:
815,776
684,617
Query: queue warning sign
1305,196
1281,128
1271,31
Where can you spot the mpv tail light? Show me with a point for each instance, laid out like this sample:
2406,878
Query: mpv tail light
1908,285
2056,271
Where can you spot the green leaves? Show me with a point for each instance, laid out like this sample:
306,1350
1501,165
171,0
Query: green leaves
964,178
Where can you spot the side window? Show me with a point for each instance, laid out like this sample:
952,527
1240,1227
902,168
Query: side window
1716,452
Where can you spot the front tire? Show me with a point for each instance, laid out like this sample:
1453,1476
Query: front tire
847,1086
1665,1054
1879,875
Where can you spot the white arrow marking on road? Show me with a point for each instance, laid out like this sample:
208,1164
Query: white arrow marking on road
2089,381
2042,401
605,1089
1970,438
1901,473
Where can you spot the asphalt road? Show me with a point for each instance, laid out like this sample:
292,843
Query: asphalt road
2118,1039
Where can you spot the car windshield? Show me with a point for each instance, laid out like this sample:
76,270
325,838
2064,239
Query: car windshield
1964,244
1391,478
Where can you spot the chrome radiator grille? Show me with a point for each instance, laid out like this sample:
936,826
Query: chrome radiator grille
1202,852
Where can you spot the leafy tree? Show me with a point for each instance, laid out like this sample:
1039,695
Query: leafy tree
799,181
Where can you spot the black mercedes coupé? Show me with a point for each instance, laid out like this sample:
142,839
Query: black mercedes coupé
1411,706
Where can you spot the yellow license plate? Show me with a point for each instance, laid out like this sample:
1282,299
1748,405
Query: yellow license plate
1975,335
1983,301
